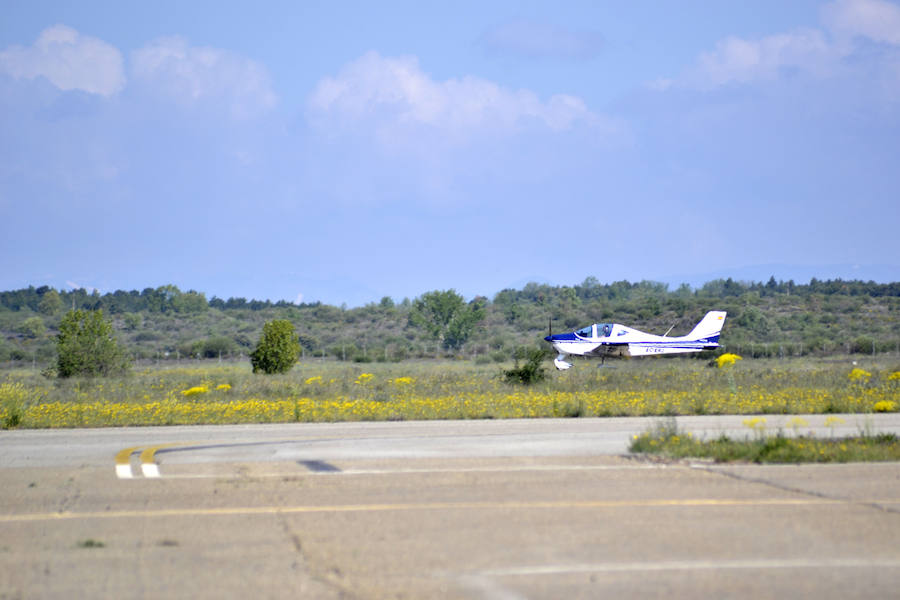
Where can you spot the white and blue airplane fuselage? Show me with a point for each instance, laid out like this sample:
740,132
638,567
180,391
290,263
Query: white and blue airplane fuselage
612,339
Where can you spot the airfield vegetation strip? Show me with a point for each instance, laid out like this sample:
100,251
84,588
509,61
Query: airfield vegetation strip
328,392
341,508
763,447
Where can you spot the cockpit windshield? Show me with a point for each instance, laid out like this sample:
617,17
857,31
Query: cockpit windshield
602,330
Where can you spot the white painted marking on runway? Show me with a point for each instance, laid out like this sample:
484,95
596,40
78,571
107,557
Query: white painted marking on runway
417,471
149,467
123,462
489,589
696,565
511,469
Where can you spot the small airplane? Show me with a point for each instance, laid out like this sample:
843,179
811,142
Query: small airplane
612,339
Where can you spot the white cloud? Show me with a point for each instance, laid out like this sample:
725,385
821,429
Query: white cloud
808,51
876,20
191,75
542,40
396,94
737,60
77,286
69,60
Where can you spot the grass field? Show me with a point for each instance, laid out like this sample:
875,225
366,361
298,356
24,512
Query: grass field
336,391
762,446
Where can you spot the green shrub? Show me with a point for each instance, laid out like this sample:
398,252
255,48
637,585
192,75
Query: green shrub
530,371
217,347
86,346
278,348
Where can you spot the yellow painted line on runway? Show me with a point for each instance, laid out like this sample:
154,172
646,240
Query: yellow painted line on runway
400,507
149,468
123,462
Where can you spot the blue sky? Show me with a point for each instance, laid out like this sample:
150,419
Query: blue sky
347,151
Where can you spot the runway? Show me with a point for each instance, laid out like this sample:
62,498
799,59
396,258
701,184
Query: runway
477,509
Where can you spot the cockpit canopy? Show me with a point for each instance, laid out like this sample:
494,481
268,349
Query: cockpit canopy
595,330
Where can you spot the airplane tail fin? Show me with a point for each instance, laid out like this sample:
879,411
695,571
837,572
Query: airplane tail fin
709,327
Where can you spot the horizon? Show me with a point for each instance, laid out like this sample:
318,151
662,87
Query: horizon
670,288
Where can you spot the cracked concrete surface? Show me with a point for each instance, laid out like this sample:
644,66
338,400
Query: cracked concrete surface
349,519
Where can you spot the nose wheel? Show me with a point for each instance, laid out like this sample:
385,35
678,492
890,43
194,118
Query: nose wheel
560,363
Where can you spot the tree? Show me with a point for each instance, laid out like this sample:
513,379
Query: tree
464,322
215,347
33,327
50,303
132,321
86,346
189,302
278,348
446,316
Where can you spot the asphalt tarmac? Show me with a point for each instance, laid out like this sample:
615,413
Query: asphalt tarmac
474,509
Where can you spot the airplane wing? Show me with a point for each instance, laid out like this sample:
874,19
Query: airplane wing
619,349
609,349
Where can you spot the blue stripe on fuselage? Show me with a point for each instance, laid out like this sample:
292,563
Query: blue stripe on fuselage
563,337
711,341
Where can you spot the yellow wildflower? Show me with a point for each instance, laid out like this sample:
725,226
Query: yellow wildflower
728,359
858,374
755,423
197,389
797,422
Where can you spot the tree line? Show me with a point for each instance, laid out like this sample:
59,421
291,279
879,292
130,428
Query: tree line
163,299
765,319
170,299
